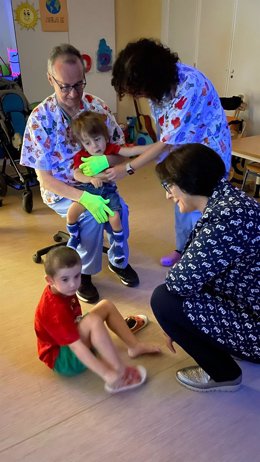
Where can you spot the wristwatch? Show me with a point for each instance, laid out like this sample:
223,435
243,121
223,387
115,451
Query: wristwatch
129,169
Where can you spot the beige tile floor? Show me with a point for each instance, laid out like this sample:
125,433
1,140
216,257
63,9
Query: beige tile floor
47,418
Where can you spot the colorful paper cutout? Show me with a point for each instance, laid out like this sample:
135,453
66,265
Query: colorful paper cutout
104,56
87,63
54,15
13,59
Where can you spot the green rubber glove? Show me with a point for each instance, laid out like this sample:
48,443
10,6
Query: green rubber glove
93,165
96,205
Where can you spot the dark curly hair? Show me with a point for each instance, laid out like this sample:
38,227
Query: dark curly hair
194,168
145,68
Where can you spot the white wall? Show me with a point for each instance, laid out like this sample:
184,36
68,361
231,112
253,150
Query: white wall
89,21
245,63
223,40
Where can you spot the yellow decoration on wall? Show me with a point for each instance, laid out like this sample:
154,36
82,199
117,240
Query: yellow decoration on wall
26,15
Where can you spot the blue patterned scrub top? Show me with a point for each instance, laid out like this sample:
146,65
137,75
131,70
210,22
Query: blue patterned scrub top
219,272
48,143
194,115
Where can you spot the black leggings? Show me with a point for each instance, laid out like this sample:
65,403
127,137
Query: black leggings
216,361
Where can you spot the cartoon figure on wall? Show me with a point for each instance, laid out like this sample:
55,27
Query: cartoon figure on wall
104,56
26,15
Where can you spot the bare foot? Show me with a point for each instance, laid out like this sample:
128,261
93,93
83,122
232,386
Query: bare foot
142,349
112,376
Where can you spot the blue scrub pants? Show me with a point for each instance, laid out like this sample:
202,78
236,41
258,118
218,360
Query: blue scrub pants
184,224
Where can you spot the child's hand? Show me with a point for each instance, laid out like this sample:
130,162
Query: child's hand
97,182
116,173
93,165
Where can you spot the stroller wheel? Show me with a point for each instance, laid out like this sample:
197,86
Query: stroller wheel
27,201
3,186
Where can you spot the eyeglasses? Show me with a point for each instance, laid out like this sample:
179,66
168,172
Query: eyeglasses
167,186
66,89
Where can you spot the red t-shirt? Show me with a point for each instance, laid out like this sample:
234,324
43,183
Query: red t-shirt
55,324
110,150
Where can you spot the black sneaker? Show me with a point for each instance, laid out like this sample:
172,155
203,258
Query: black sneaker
87,292
127,275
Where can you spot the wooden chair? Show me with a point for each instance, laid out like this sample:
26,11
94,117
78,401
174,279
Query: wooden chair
234,108
236,105
253,168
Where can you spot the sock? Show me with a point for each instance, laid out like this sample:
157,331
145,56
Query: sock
118,237
74,239
118,249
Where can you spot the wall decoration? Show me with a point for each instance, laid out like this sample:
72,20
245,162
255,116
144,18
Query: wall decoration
54,15
87,63
26,15
13,58
104,56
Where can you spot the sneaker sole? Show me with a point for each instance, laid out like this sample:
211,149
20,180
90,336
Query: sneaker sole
221,388
88,300
128,284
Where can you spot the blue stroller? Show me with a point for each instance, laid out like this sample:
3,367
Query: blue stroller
14,111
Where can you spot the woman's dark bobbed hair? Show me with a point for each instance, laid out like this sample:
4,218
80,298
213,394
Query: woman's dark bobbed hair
145,68
194,168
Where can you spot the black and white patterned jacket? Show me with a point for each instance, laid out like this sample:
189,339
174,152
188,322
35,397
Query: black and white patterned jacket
218,274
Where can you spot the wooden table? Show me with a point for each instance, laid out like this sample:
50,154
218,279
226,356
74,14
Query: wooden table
247,148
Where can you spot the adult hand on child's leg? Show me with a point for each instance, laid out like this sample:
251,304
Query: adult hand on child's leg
96,205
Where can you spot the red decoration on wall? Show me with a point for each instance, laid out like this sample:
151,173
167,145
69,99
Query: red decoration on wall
87,63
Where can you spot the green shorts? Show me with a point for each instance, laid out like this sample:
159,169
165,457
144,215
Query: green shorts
67,363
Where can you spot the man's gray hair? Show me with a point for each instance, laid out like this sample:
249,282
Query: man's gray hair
67,51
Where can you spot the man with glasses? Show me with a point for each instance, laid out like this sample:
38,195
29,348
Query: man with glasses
49,148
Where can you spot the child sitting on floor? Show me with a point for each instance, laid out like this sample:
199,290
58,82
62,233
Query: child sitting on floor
69,343
90,130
